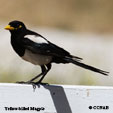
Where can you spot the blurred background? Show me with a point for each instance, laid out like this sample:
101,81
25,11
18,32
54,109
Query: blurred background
83,27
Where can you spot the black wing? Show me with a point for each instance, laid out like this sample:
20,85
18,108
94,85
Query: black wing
49,49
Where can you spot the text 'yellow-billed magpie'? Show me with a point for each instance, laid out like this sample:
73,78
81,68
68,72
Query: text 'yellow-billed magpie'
36,49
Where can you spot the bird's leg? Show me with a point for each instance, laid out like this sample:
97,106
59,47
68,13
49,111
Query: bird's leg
44,73
31,81
43,70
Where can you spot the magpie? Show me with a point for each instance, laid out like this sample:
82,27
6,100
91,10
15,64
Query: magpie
36,49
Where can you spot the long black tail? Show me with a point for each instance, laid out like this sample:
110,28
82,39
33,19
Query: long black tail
71,60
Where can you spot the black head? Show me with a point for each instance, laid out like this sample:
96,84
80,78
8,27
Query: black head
14,26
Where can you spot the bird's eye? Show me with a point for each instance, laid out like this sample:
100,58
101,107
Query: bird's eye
20,26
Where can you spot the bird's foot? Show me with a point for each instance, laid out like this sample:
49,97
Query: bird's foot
41,83
22,82
28,82
34,84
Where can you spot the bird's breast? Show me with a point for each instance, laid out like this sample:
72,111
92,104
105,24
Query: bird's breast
36,59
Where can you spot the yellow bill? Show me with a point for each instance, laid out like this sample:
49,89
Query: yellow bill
8,27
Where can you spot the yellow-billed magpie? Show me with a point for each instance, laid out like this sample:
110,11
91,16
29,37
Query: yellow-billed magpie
36,49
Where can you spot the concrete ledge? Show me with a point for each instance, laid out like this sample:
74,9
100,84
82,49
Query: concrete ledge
18,98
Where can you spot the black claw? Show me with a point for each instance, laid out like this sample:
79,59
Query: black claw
41,83
28,82
34,84
21,82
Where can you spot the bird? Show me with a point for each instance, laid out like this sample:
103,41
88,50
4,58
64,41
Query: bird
36,49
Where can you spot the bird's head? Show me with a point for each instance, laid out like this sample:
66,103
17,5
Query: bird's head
14,26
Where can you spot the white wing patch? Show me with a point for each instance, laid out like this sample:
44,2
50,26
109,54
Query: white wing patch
36,39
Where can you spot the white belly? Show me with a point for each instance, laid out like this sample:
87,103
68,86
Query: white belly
36,59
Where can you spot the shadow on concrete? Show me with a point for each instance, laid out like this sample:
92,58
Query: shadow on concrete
59,98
